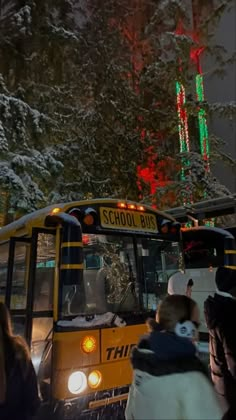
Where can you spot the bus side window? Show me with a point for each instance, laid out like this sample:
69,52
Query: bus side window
4,249
19,286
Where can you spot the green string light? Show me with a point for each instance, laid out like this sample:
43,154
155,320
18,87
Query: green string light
202,121
203,133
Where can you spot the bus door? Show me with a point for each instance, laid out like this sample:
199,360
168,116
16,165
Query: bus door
40,304
29,293
17,282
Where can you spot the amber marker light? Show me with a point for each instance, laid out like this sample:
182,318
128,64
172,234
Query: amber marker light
122,205
131,207
88,220
141,208
89,344
56,210
94,379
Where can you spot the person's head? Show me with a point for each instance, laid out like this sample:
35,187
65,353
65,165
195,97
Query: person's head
225,280
180,284
176,310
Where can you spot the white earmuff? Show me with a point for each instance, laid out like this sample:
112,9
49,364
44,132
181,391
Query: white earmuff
186,329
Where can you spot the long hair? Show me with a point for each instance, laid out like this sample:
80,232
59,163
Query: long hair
174,309
5,332
7,339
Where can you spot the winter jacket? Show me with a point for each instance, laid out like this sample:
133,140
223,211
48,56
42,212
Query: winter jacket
220,313
22,400
169,382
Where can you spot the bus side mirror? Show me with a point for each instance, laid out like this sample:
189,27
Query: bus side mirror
71,258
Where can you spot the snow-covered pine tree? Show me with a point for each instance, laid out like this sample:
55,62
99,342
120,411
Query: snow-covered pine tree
175,40
130,59
38,98
27,165
102,73
121,120
108,140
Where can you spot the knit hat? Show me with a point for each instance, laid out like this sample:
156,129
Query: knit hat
178,283
225,279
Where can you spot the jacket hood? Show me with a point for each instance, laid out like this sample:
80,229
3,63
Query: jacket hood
146,362
169,346
219,310
164,353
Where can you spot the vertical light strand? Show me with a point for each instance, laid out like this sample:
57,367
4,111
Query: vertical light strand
203,134
183,123
202,122
183,135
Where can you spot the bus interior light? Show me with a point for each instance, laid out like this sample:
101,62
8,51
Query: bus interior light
94,379
77,382
89,344
122,205
85,239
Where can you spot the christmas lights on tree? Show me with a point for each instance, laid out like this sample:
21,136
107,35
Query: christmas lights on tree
202,123
183,123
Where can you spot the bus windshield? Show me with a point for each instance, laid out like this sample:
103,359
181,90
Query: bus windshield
159,259
110,280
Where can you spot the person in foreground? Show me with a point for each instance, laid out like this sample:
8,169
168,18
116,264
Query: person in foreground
19,398
220,314
169,381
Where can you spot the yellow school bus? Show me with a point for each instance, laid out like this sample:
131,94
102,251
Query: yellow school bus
80,279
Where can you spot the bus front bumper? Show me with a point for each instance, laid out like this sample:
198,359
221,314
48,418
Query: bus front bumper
108,404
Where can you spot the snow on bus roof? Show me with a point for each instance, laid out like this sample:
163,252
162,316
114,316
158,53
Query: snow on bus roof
20,223
39,214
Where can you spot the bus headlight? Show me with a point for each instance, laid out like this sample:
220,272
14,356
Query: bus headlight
77,382
94,379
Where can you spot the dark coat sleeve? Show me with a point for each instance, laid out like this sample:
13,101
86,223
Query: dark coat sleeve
223,362
31,395
229,346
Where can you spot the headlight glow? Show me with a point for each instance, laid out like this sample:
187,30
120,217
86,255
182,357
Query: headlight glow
94,379
77,382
